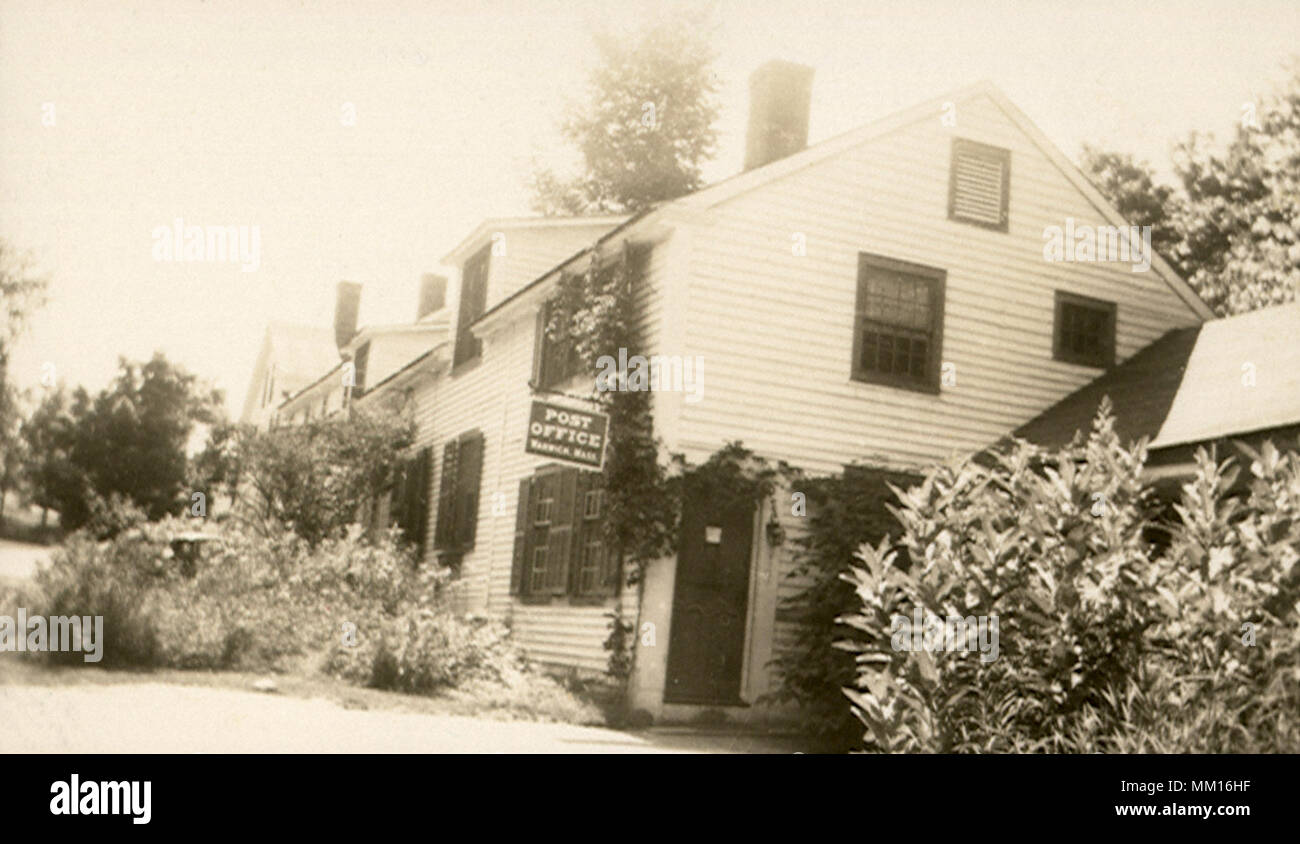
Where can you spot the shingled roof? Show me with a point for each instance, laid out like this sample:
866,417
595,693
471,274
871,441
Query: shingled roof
1227,377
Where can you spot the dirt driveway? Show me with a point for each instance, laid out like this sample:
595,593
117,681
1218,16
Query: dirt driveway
150,717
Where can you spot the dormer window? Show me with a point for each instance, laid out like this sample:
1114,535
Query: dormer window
979,182
359,364
473,303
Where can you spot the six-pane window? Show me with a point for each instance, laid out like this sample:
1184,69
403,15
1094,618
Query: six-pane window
1084,330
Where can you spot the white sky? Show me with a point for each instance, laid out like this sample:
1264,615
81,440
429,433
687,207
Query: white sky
228,113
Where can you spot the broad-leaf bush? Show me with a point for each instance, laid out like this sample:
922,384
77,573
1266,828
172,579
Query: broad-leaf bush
1106,643
270,602
354,608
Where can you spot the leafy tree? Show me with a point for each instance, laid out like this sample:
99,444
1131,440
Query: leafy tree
1233,231
1241,226
132,437
646,125
124,447
1131,187
49,435
315,478
21,292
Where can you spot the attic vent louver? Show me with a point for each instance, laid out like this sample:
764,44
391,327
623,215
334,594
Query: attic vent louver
978,184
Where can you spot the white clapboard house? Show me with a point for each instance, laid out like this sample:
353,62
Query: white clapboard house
882,298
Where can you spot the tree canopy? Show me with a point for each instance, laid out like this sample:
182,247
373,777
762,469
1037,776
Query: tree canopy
1232,228
646,125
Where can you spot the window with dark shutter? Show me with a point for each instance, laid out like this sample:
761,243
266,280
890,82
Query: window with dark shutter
557,359
473,302
458,493
410,508
596,569
898,327
979,180
1084,330
559,537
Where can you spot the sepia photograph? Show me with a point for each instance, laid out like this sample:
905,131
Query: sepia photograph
650,378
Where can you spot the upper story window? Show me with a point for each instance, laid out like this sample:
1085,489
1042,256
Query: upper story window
473,302
1084,331
979,181
557,359
898,326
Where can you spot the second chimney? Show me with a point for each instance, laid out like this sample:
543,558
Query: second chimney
433,295
780,94
346,305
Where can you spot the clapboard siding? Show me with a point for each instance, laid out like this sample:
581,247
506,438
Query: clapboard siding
775,328
493,396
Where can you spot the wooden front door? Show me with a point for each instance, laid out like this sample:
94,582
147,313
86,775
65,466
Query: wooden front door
710,601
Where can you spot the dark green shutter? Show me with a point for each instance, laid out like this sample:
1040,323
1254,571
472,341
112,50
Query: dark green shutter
445,533
523,523
560,539
468,476
582,483
420,499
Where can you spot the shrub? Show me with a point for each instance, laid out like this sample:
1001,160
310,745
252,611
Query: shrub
426,650
1104,644
109,579
254,603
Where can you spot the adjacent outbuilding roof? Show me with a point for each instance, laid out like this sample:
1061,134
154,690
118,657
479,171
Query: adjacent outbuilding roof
1224,378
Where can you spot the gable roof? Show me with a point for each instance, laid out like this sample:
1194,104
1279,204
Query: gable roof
692,204
480,233
749,180
298,353
1193,385
301,350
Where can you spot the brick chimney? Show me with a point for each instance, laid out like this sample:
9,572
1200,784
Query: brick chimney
780,94
346,305
433,294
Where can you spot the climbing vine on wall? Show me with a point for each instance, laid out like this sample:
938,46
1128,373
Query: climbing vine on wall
594,313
